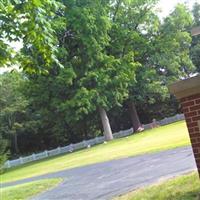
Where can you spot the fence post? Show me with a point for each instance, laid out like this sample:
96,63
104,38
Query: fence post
85,143
182,116
58,150
96,140
8,164
165,121
21,160
33,156
71,148
46,153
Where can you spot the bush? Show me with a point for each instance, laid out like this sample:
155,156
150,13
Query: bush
3,152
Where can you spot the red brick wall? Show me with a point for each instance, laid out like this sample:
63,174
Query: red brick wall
191,109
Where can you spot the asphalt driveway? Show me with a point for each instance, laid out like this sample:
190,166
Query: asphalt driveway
103,181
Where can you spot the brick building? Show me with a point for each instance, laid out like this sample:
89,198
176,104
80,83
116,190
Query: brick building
188,92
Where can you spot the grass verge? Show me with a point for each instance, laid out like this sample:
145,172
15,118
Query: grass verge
154,140
185,187
27,190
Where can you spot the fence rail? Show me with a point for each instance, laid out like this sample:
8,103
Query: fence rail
87,143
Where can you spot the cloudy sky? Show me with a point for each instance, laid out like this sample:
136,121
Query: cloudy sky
166,6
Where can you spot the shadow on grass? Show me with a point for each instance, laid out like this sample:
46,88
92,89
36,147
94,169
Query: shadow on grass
192,195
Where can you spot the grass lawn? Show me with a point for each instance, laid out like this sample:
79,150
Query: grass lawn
24,191
162,138
185,187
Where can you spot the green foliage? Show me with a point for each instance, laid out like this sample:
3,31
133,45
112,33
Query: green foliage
163,53
3,152
174,42
161,48
12,105
195,47
97,71
30,22
92,70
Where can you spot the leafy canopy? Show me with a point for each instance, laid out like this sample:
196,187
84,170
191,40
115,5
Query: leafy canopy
30,22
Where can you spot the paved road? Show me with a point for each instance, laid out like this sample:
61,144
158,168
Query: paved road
104,180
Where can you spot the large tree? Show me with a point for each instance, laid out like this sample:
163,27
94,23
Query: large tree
133,25
162,49
97,78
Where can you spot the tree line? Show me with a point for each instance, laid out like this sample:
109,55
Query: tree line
89,68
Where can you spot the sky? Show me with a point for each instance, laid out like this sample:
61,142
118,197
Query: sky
166,6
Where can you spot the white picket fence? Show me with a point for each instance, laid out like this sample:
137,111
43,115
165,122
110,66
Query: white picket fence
85,143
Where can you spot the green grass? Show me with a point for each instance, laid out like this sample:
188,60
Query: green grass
162,138
185,187
24,191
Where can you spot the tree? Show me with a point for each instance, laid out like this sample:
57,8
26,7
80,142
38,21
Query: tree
48,120
97,79
170,59
163,52
3,152
13,107
195,47
133,26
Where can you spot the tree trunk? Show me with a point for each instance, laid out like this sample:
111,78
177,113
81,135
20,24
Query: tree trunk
106,124
137,126
70,133
85,130
16,143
